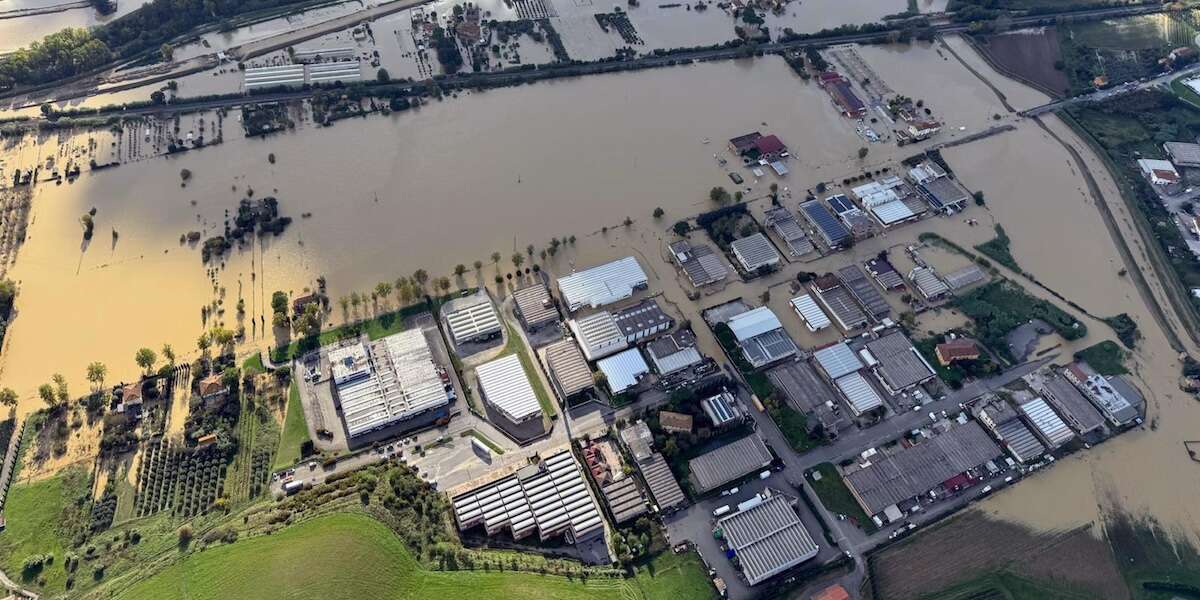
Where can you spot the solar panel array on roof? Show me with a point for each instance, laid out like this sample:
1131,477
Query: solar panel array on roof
864,291
814,318
624,499
603,284
767,538
841,204
754,252
1049,425
674,352
568,368
837,360
720,408
842,306
832,231
534,305
551,498
623,370
473,321
598,335
506,387
729,462
700,263
859,393
397,380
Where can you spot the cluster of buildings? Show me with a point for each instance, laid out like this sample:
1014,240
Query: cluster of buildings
763,150
302,73
1171,179
842,94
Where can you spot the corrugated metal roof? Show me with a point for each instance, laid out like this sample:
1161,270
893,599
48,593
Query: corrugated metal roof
900,365
624,499
837,360
767,539
965,276
842,306
534,305
729,462
623,370
766,348
506,387
754,251
891,212
927,282
473,320
753,322
864,291
1023,444
663,487
859,393
673,352
813,316
397,381
642,320
1047,422
1068,400
603,284
598,335
568,367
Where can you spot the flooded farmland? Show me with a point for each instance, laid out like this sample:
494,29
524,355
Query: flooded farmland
495,171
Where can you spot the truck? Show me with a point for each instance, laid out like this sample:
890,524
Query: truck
292,487
721,510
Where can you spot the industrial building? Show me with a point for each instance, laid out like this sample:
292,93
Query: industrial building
837,360
964,277
754,252
864,292
761,337
910,472
838,302
534,306
728,463
1006,426
624,499
674,352
642,321
550,497
335,71
506,388
266,77
789,230
474,320
767,537
928,284
944,195
387,382
598,335
722,409
885,200
897,364
623,370
1119,403
842,94
1049,426
664,489
831,230
700,263
1067,400
603,284
814,318
884,274
807,393
568,369
1183,154
859,394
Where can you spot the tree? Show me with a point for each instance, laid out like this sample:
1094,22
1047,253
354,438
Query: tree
718,195
478,265
979,201
168,354
529,249
383,289
681,228
421,276
659,212
95,374
495,258
309,321
166,51
8,397
46,393
627,222
862,152
145,358
459,269
517,259
60,388
443,283
203,342
382,76
345,303
224,337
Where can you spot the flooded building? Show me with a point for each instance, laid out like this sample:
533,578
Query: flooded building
944,195
761,337
856,221
729,463
642,321
603,284
922,129
388,382
534,306
767,537
965,277
897,364
784,224
842,94
569,370
598,335
890,480
864,292
928,284
267,77
474,320
506,388
1116,399
838,303
624,370
884,274
755,252
1067,400
1006,426
885,199
832,232
700,263
806,308
1049,426
674,352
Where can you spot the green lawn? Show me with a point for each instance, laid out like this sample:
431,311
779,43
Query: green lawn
295,431
673,576
32,513
516,345
344,556
837,497
1185,93
1106,357
254,365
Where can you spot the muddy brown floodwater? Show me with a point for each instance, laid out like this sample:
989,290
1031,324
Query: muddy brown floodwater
457,180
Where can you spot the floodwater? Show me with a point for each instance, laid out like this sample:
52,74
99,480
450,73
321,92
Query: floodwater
20,32
495,171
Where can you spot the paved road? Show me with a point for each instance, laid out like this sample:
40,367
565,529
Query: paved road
1163,80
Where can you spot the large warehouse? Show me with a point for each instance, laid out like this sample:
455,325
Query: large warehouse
767,538
506,388
603,284
386,382
728,463
473,320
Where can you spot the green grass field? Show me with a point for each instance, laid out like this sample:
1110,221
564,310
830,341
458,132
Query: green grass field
837,498
254,365
32,512
295,431
673,577
349,556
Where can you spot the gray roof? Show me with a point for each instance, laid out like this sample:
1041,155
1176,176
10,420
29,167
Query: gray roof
837,360
1069,402
638,439
568,367
864,291
700,263
642,319
943,192
927,282
754,251
842,307
534,305
729,462
673,352
859,393
1049,425
602,284
663,487
885,274
830,228
784,223
766,348
916,470
806,392
900,365
1184,154
386,381
598,335
624,499
1020,440
768,539
961,278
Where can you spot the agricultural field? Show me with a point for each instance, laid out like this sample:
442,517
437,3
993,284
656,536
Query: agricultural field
343,556
39,518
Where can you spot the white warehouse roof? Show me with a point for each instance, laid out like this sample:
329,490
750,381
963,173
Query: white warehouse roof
623,370
859,393
837,360
472,321
767,538
1047,422
753,322
506,387
598,335
754,252
602,284
814,318
400,381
